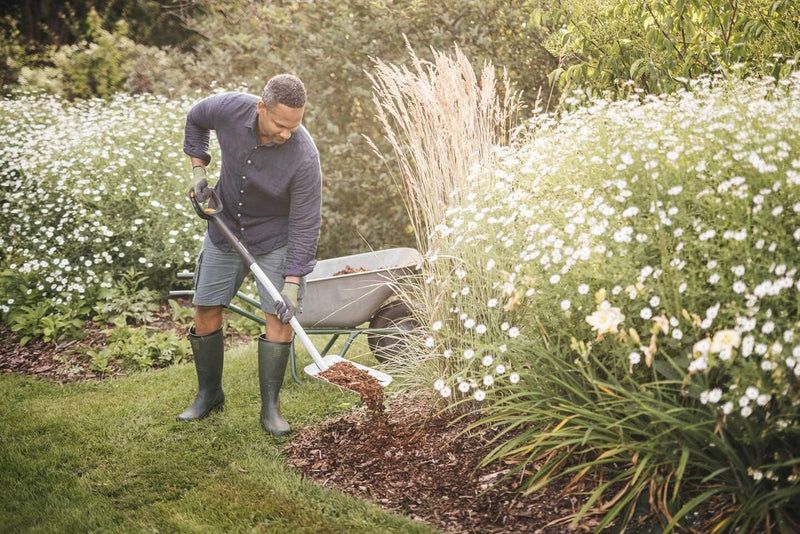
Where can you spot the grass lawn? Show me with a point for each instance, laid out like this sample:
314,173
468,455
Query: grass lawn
110,457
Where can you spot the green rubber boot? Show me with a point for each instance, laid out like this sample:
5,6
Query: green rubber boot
208,354
272,359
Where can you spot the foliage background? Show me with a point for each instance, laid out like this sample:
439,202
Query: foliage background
329,44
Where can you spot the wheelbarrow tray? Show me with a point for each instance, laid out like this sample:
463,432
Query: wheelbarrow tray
347,300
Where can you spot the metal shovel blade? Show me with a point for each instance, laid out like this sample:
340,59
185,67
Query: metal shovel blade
313,369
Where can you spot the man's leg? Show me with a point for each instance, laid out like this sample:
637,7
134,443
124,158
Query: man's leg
218,275
274,346
273,355
208,348
207,319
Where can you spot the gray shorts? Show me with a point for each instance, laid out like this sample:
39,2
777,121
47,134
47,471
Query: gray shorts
218,275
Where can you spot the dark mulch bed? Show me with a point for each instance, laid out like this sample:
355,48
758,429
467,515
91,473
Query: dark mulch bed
419,463
62,362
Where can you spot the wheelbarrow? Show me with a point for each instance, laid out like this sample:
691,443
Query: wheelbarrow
342,296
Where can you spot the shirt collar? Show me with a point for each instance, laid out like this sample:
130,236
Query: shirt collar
254,128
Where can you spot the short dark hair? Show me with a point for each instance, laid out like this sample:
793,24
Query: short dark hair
284,89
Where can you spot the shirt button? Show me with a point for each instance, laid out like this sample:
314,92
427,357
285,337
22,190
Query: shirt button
240,203
248,161
244,177
241,190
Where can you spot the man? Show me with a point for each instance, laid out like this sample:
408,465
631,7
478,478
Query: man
270,187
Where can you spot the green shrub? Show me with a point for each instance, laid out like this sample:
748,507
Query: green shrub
105,63
47,321
83,205
648,253
116,202
128,300
658,46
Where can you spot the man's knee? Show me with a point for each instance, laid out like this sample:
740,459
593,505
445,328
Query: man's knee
207,319
277,331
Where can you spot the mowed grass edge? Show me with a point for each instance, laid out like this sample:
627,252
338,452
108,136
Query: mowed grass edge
110,456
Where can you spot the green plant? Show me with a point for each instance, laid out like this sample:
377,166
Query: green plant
129,300
181,314
47,321
659,46
139,348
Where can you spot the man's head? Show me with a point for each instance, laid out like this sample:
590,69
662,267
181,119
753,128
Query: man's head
284,89
281,108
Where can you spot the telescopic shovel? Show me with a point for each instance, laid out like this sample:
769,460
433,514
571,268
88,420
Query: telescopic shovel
320,363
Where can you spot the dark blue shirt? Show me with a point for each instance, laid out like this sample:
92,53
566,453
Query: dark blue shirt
271,194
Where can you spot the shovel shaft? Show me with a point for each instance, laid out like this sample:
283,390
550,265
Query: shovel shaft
213,215
295,324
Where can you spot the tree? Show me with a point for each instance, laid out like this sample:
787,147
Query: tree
660,44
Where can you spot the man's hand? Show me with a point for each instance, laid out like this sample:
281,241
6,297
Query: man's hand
286,309
199,186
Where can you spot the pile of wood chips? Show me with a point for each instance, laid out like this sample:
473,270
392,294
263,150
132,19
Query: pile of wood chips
346,375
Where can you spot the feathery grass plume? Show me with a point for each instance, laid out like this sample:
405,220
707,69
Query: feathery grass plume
441,123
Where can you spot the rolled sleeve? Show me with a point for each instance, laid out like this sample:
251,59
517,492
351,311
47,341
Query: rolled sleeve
305,218
197,132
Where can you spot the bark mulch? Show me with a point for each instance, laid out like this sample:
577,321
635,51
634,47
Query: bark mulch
417,462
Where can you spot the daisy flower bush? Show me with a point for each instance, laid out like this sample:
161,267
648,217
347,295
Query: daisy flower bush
88,191
624,281
648,249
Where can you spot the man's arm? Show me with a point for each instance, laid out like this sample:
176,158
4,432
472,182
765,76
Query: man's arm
197,131
304,219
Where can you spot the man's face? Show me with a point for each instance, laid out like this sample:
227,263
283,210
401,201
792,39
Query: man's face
278,123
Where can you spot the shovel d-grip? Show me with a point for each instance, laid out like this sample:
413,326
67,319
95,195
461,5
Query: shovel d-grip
212,213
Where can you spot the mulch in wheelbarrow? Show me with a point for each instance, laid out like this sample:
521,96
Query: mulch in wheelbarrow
421,464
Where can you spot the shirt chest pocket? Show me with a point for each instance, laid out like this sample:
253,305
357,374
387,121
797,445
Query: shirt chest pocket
269,173
267,189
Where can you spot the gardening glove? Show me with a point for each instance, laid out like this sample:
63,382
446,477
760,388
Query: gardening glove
199,186
286,308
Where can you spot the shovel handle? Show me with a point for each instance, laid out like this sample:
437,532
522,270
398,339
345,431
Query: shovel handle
208,213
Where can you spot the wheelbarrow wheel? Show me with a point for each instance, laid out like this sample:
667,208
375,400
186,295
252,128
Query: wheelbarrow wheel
395,315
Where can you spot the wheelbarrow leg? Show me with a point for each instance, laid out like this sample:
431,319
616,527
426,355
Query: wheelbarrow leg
350,339
293,362
333,339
